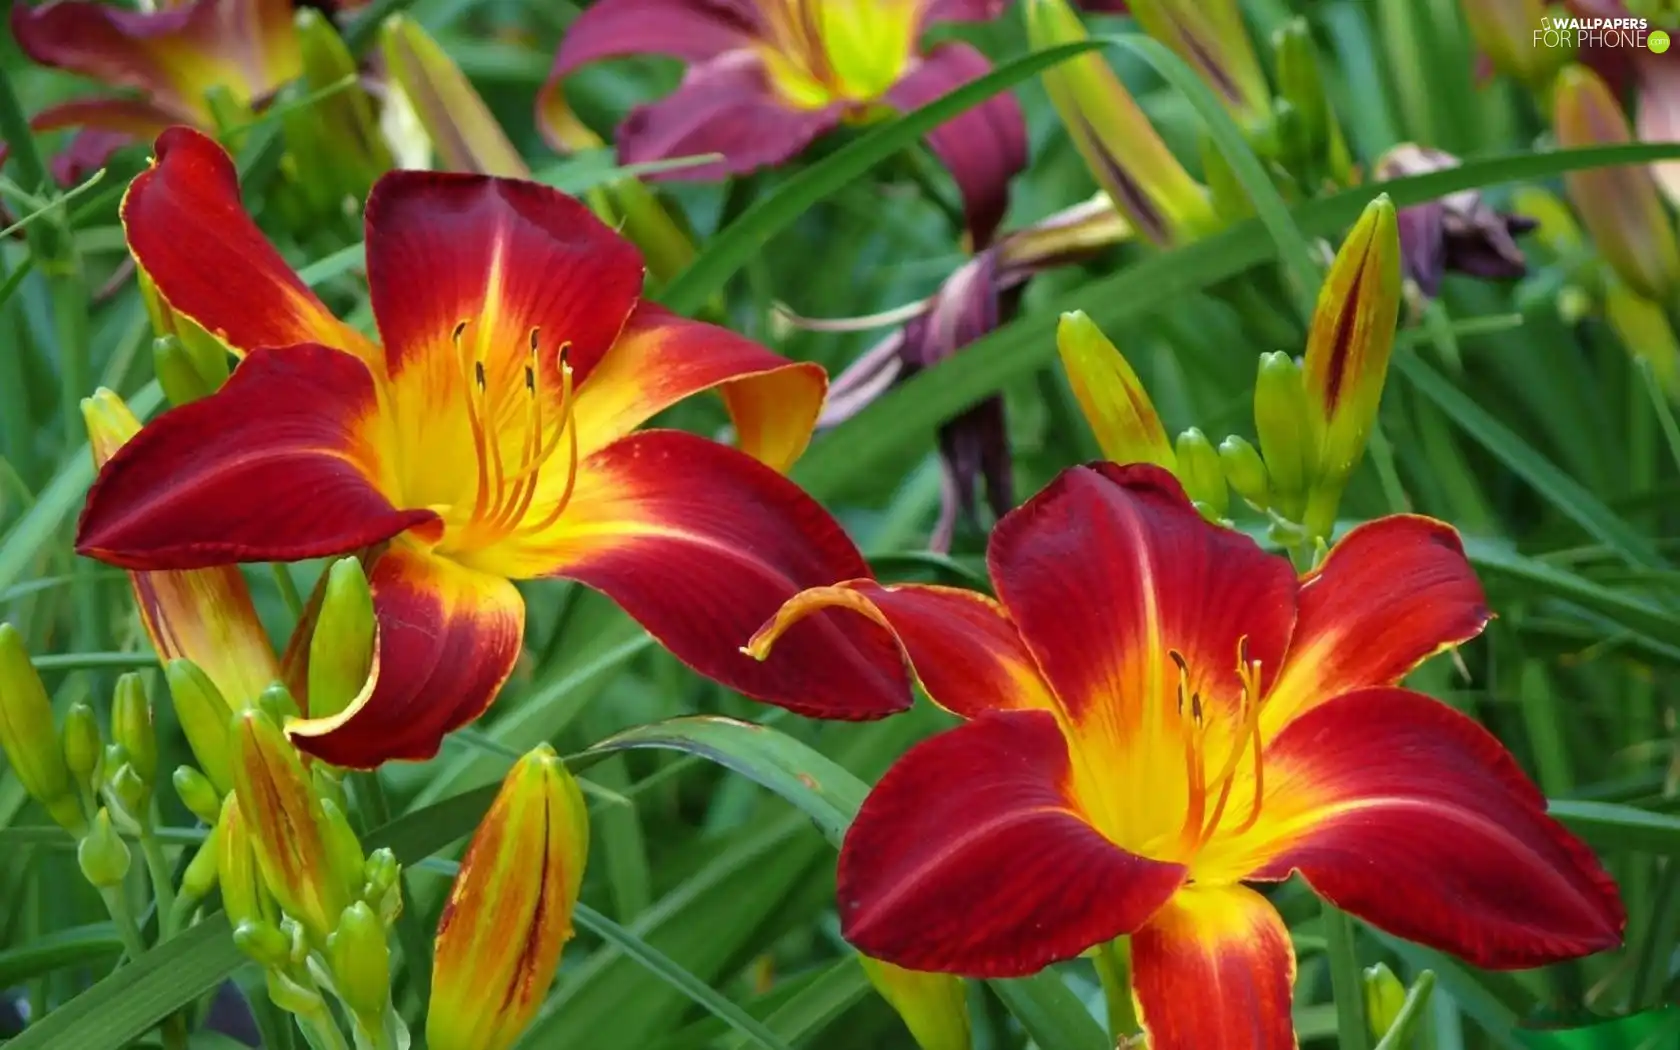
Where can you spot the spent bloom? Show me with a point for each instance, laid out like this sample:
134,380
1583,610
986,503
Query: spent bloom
489,439
767,77
169,59
1158,713
1458,233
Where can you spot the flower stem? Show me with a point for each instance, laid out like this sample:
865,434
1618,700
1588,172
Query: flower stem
163,887
288,590
123,919
1114,968
1352,1030
319,1030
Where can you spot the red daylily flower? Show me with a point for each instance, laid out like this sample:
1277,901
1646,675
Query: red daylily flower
766,77
490,439
1158,713
172,57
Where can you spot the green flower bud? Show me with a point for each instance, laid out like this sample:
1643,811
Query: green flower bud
83,748
341,650
343,128
463,131
1245,471
1643,328
1200,473
382,884
1299,83
197,794
1384,996
263,942
130,796
204,715
934,1006
1288,440
345,851
102,854
1210,37
1122,417
131,725
32,745
173,366
277,703
200,875
360,959
290,995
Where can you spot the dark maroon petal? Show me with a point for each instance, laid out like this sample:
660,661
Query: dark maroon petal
725,106
969,857
983,147
1423,248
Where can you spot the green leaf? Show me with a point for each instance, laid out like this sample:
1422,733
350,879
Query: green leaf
907,416
79,945
1609,826
1652,1030
723,256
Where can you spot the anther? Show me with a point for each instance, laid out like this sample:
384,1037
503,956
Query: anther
478,375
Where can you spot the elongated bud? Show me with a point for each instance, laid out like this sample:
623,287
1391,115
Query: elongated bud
1289,442
130,796
32,745
175,372
494,959
345,123
934,1006
1384,996
1245,471
1506,30
1210,37
341,651
203,615
1109,393
263,942
1201,474
244,897
83,748
1125,155
1348,348
360,959
464,133
382,885
1619,205
1299,81
131,725
102,854
345,851
200,875
197,793
287,826
276,702
204,717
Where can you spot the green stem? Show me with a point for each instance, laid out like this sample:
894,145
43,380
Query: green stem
1114,968
375,812
319,1030
288,590
123,918
174,1029
1353,1032
163,885
1411,1013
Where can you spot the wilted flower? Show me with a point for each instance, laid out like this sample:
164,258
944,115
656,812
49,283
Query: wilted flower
1458,233
1156,714
489,439
174,56
975,300
510,910
766,77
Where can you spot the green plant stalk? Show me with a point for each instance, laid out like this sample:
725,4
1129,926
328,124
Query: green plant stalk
122,916
1640,710
163,885
319,1030
1114,969
1660,934
288,589
17,436
1353,1031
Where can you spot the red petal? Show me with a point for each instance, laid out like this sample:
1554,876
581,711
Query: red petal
962,647
108,124
724,106
192,236
662,358
702,544
935,12
970,857
505,257
1106,572
281,464
1214,970
984,147
1392,593
1416,819
448,638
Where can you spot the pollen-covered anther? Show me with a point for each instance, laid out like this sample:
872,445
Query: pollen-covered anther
1199,823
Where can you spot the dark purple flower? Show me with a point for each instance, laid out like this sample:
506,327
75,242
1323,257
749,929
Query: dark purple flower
1457,232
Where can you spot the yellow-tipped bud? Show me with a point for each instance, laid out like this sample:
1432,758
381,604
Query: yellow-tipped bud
1200,472
131,725
934,1006
464,133
1125,155
31,742
341,649
288,827
1210,37
1619,205
1113,399
1643,328
204,716
1348,349
244,897
102,854
494,959
1505,30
